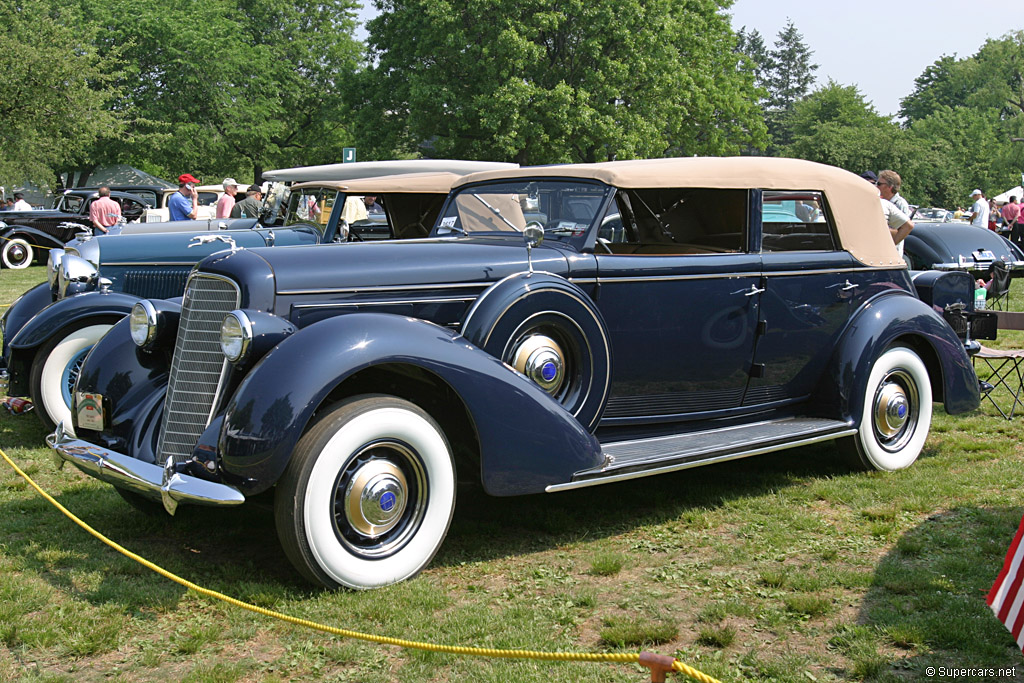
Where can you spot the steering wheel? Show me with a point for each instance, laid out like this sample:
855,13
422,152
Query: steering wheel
605,244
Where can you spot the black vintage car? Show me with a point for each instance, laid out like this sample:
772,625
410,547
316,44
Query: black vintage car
562,327
27,235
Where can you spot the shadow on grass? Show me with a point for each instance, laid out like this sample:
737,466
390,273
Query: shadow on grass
927,600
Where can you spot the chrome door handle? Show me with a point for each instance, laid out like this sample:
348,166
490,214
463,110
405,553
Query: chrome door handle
847,286
754,290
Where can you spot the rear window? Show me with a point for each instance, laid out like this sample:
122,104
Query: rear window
795,221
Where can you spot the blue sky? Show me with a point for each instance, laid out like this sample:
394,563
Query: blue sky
880,47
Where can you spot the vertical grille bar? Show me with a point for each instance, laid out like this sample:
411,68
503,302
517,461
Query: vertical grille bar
198,366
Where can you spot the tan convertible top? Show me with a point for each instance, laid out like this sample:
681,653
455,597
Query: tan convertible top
412,183
854,203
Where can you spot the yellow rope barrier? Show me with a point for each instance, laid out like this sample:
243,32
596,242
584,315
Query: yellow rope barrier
625,658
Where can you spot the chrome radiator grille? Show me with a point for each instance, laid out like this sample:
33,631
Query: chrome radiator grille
198,366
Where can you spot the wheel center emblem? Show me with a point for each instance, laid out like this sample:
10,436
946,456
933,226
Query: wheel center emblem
387,501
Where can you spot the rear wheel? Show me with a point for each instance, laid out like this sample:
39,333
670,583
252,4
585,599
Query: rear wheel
55,370
897,412
368,495
17,253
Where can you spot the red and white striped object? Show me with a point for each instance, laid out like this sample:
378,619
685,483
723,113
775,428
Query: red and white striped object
1006,597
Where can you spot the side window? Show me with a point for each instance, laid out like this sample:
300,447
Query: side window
676,221
795,221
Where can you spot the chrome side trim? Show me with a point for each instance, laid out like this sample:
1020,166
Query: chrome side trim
726,276
386,302
141,477
568,486
385,288
148,263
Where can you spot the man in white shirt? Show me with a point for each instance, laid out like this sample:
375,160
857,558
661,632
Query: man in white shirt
899,223
20,204
889,183
979,211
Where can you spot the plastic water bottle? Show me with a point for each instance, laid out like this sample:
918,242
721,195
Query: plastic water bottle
979,299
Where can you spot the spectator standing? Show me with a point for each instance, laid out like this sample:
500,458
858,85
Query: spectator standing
1011,214
371,204
20,204
889,183
898,222
7,205
979,211
184,204
227,200
104,212
251,205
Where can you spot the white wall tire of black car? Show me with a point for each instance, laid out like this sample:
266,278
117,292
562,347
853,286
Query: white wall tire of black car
17,253
886,440
331,504
55,369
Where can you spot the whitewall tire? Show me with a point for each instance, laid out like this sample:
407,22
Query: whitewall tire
17,253
897,411
368,495
55,370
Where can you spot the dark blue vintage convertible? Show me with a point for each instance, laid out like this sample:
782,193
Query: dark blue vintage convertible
562,327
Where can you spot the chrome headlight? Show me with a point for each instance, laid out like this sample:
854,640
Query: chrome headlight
235,336
142,323
53,265
75,272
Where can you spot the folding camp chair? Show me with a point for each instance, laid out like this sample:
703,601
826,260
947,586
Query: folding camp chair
1007,376
998,296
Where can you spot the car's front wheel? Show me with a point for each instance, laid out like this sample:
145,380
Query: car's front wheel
17,253
55,371
368,495
897,411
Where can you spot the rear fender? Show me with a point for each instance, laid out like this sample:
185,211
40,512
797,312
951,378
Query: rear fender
525,439
890,319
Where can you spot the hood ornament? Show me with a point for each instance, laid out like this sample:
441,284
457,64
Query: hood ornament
206,239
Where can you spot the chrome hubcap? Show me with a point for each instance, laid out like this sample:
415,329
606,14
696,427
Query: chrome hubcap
540,358
894,409
375,498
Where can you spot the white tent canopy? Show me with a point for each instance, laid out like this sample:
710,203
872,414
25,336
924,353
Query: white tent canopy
1017,192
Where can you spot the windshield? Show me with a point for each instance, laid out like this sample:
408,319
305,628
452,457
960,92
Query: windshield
70,203
311,205
564,208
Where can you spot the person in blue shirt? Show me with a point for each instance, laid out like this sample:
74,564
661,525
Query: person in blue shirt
183,205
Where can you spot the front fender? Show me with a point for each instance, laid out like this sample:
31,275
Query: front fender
59,315
899,318
21,311
526,440
38,237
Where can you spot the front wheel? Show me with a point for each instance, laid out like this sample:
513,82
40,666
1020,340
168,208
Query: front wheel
368,495
897,411
17,253
55,370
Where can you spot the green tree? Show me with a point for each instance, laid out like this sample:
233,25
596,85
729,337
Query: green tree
542,82
56,90
792,73
752,46
234,86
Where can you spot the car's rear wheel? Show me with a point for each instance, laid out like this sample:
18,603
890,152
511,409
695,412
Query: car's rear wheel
368,495
897,412
55,371
17,253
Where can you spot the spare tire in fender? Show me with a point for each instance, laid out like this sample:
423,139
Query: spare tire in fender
548,329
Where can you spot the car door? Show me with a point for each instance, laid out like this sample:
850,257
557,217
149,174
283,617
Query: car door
679,294
809,286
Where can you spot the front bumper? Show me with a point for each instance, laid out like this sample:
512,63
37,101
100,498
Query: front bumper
152,481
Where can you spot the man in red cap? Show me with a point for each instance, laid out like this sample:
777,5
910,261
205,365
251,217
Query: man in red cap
183,204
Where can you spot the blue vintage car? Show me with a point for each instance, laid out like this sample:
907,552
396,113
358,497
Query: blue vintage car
96,281
563,327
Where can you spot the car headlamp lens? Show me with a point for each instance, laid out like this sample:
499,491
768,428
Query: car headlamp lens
53,265
235,336
142,323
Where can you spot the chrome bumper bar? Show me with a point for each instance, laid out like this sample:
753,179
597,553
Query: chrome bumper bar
144,478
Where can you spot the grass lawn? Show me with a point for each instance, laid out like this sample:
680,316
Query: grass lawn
786,567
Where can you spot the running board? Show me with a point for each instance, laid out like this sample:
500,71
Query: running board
644,457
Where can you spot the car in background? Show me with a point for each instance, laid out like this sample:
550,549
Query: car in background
25,236
932,215
206,203
562,327
95,281
959,246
